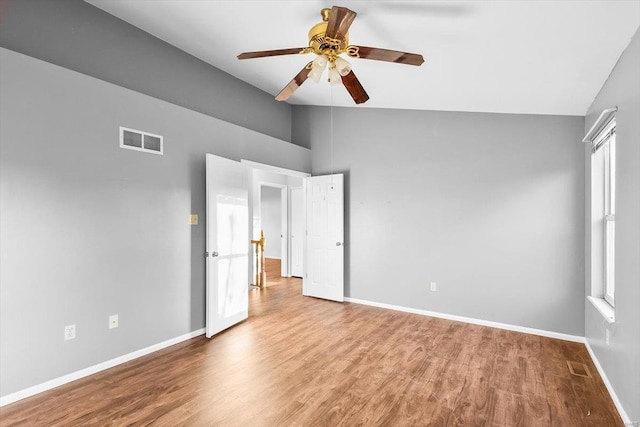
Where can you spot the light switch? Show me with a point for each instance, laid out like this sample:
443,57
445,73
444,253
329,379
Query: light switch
193,219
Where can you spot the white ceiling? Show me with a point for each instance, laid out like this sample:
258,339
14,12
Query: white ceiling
540,57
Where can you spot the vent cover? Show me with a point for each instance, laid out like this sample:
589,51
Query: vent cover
140,141
578,369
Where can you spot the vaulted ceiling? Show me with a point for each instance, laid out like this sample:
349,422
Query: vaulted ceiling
539,57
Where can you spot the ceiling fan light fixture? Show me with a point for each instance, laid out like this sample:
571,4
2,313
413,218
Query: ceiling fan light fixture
315,74
334,76
320,62
317,68
343,66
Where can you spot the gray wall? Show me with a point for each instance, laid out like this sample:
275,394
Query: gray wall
621,358
81,37
270,216
88,229
488,206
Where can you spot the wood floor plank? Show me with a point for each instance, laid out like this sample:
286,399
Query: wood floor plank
301,361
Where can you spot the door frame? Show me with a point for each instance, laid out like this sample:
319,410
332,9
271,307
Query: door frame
285,228
254,230
276,169
302,220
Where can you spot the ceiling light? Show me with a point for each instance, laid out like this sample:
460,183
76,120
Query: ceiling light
317,68
343,66
334,76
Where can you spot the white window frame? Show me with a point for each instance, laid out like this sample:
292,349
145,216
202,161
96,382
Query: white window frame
609,217
603,167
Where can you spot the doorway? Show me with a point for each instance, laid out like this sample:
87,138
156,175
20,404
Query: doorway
270,197
273,221
233,201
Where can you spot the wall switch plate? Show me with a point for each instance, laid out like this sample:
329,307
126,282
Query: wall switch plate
69,332
113,321
607,336
193,219
433,286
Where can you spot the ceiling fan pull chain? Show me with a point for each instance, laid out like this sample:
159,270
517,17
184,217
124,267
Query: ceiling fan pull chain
331,113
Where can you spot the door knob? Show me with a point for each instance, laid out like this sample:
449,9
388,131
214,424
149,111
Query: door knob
214,254
338,243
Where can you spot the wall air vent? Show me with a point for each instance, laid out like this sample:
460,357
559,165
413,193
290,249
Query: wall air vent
140,141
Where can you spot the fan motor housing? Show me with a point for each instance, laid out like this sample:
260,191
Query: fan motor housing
324,45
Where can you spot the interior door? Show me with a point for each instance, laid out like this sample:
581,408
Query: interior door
324,249
227,299
297,231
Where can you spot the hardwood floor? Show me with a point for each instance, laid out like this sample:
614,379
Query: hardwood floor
301,361
273,268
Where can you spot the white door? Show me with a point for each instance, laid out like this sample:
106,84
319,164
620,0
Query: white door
324,249
297,231
227,299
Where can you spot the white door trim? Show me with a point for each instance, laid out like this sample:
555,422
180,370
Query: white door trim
284,223
298,233
263,166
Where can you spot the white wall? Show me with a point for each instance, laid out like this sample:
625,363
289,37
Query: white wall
271,215
488,206
620,358
88,229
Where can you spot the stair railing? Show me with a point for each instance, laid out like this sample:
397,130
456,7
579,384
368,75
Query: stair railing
261,272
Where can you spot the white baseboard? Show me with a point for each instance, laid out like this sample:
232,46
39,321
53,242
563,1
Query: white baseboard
28,392
471,320
612,392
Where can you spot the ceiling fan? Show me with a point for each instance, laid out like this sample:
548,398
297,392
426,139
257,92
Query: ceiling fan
328,40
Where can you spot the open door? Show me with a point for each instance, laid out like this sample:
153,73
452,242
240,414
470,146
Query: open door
227,299
324,254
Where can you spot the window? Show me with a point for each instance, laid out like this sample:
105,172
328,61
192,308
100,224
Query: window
603,213
609,213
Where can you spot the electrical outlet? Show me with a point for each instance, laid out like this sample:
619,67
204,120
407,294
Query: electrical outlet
113,321
433,286
69,332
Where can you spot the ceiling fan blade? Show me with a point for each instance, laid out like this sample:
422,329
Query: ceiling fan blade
355,89
294,84
390,55
263,53
340,19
